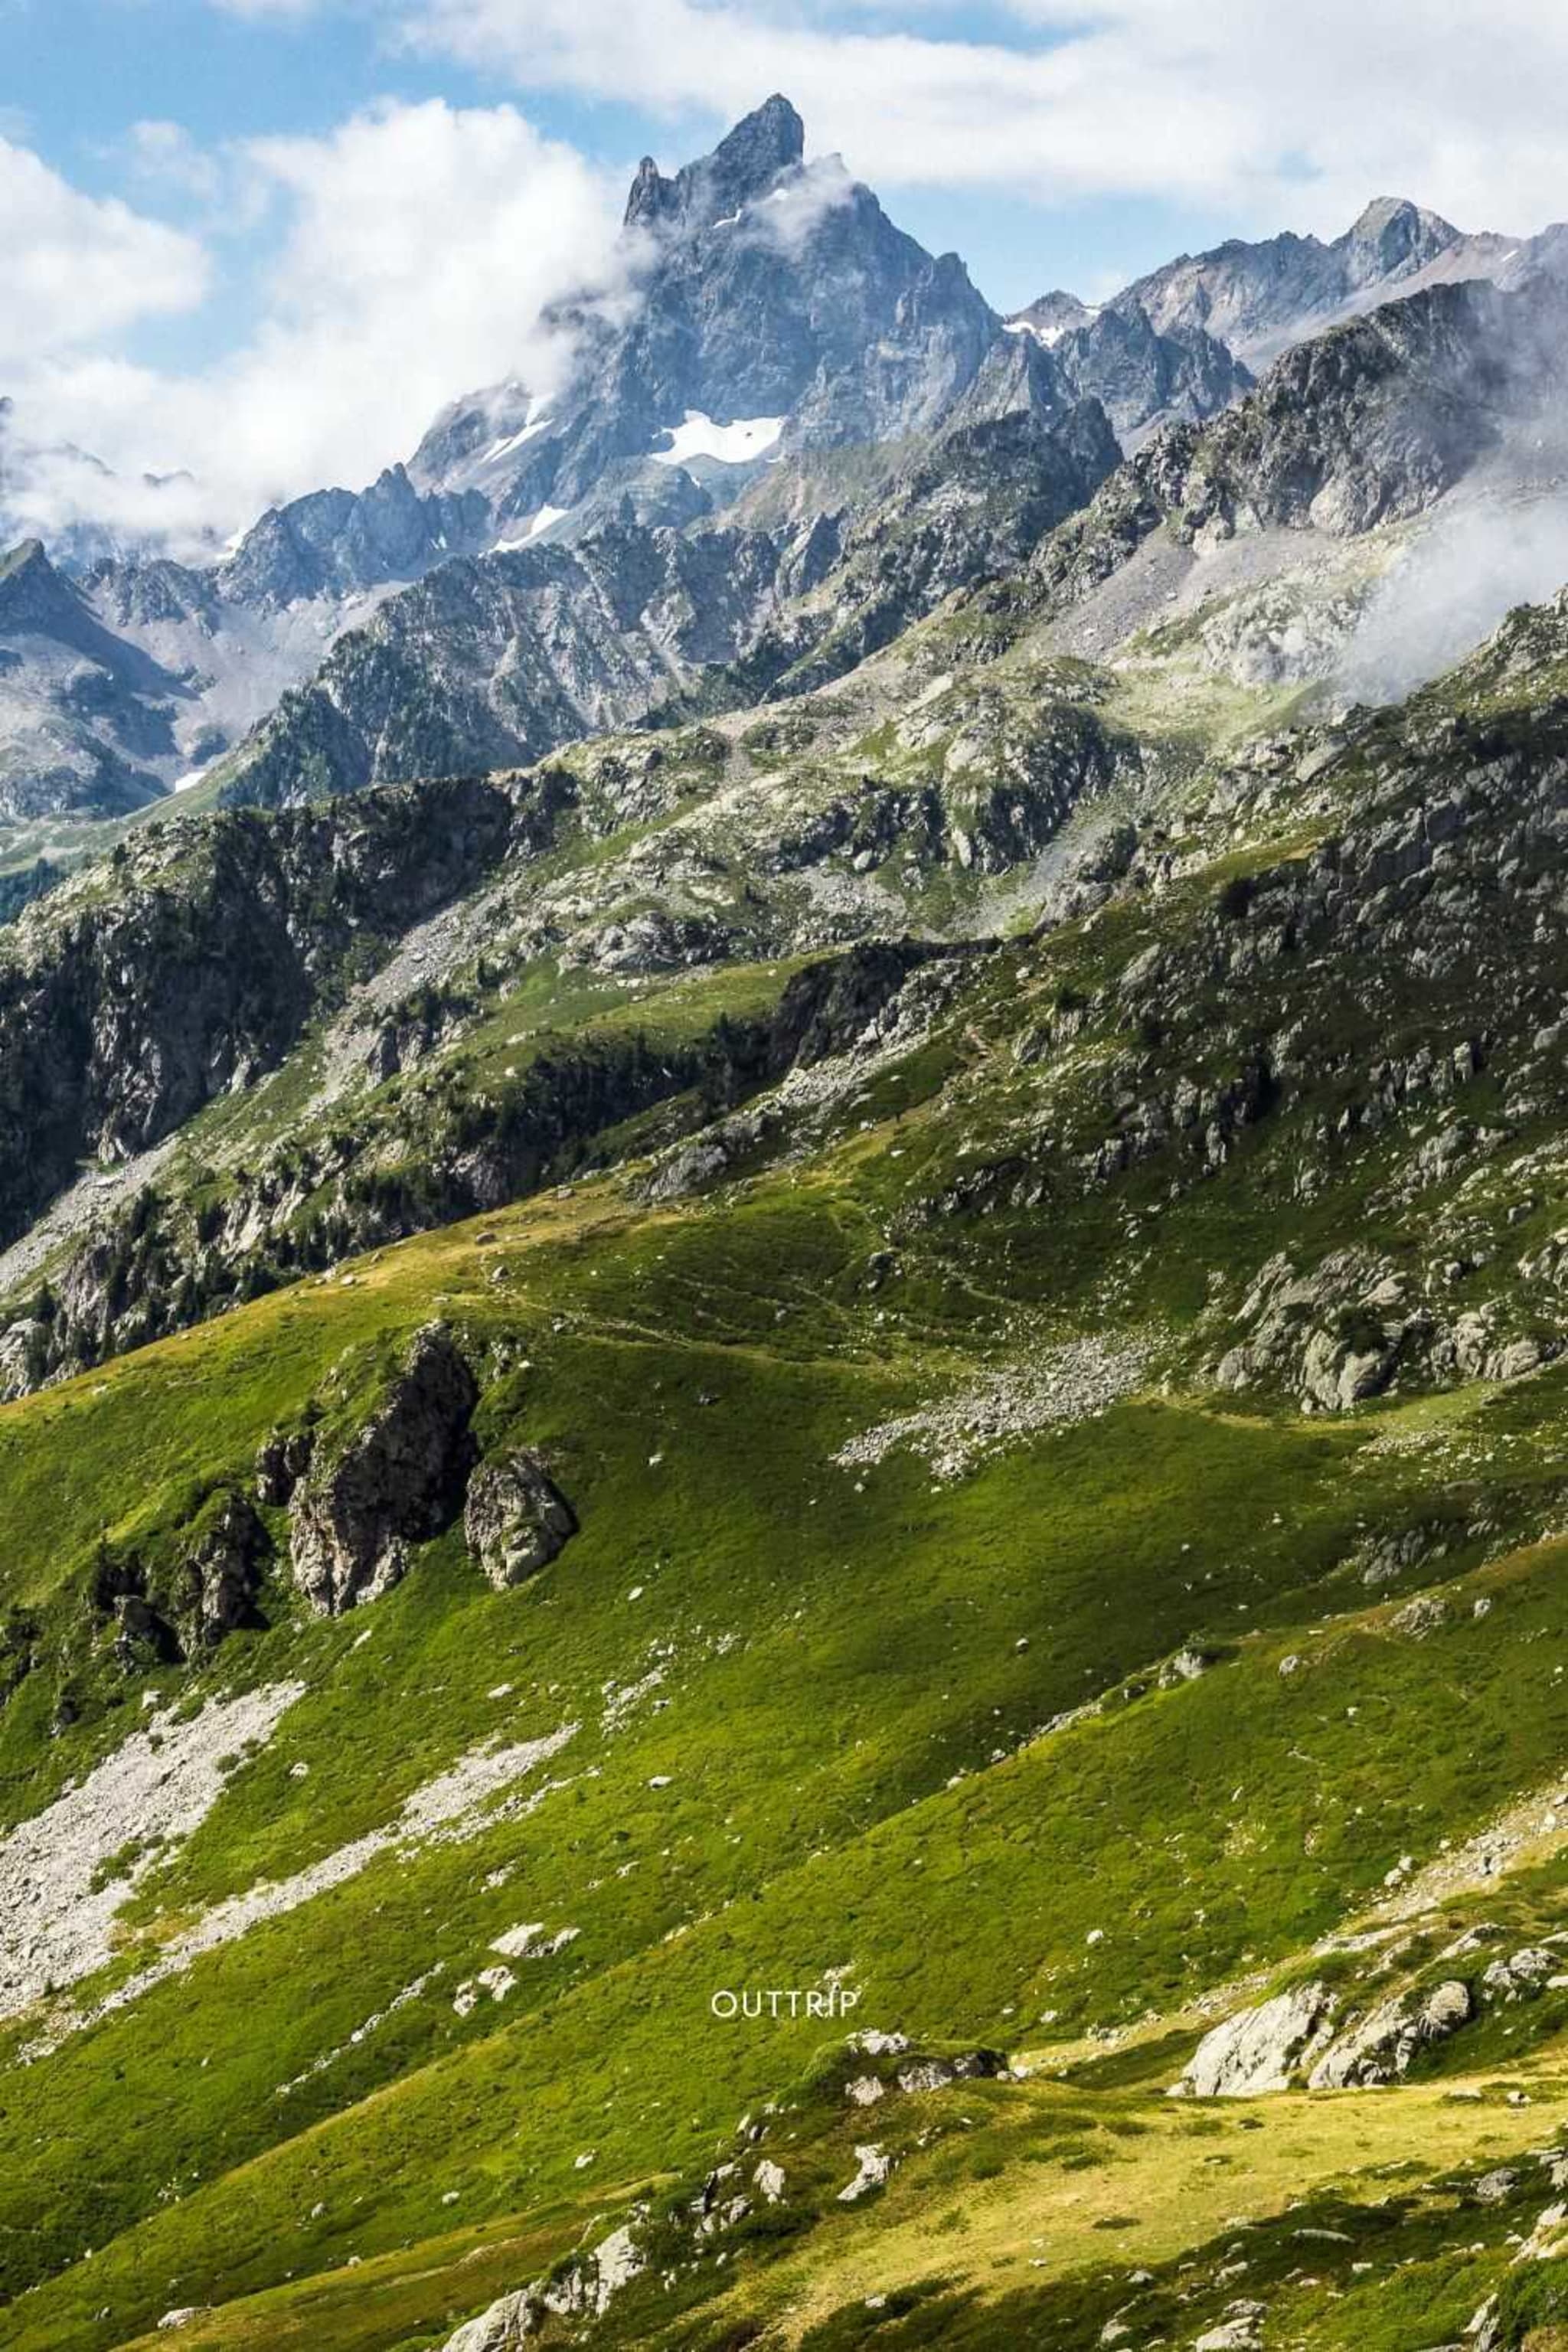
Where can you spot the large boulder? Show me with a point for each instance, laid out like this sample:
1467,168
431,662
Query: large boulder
508,2322
1520,1976
1383,2046
581,2291
1259,2049
516,1518
398,1480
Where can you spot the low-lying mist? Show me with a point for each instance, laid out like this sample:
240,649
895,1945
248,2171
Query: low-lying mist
1500,542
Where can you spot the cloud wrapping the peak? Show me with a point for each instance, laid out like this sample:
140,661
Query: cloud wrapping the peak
419,245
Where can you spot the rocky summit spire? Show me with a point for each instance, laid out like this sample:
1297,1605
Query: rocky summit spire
767,143
1391,236
743,166
652,196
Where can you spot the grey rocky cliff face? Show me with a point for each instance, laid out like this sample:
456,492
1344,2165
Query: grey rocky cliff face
516,1518
192,962
1142,377
336,541
86,717
223,1573
398,1480
1257,299
495,661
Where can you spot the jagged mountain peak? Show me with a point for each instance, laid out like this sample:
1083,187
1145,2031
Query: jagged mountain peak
1051,316
775,307
1260,298
1392,234
744,165
33,594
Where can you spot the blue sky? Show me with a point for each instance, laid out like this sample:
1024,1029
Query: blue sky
223,77
266,238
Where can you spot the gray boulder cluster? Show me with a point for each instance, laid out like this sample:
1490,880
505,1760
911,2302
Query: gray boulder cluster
584,2290
1305,2037
404,1474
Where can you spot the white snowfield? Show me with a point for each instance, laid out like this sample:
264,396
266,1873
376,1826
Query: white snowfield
504,447
728,445
537,525
1049,336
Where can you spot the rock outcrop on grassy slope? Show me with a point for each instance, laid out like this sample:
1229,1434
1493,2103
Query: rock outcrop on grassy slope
1383,2043
222,1570
398,1479
1260,2050
516,1518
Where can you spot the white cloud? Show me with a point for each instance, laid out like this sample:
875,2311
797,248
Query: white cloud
1282,115
80,269
165,156
421,244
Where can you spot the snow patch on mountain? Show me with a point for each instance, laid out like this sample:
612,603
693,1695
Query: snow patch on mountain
1050,336
510,441
537,524
737,443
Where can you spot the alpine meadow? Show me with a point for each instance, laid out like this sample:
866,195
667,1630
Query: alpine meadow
784,1277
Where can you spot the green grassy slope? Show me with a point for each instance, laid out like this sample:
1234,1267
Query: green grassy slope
915,1727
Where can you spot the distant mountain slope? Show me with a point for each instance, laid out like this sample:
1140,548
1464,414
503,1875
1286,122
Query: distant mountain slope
493,660
1257,298
971,507
336,542
87,719
766,305
1142,377
1374,421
